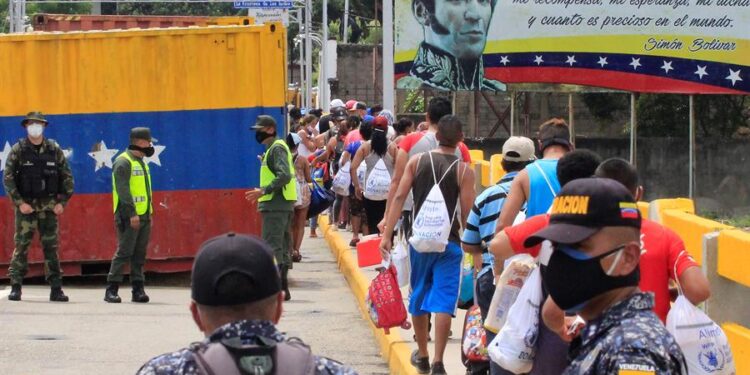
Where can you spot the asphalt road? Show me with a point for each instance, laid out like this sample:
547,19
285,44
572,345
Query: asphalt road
89,336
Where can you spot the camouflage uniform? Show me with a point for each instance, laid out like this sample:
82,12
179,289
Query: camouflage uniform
182,362
627,339
42,219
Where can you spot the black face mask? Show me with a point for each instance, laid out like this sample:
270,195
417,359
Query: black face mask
148,151
572,278
262,136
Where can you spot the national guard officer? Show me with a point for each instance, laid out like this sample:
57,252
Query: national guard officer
39,182
594,272
276,195
132,203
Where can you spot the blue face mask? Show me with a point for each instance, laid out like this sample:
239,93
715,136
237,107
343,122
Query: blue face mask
572,277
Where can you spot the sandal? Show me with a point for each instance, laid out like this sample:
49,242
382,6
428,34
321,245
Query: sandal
354,242
296,256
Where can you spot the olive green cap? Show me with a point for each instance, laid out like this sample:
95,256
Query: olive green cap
263,121
34,116
140,133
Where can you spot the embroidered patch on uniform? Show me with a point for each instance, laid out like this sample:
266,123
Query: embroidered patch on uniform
635,369
628,210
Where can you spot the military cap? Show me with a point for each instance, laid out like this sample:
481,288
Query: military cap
263,121
34,116
140,133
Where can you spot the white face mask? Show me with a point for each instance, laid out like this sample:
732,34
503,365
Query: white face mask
35,130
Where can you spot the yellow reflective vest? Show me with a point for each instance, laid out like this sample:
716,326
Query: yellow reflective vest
266,176
139,190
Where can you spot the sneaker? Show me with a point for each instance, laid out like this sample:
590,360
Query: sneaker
421,364
438,368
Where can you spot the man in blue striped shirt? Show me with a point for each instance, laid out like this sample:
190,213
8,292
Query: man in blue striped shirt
480,229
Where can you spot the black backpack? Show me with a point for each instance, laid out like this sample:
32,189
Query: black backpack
268,357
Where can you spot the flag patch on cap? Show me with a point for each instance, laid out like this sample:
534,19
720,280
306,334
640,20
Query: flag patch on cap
628,210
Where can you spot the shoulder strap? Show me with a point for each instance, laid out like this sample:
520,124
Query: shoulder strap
214,359
544,175
293,357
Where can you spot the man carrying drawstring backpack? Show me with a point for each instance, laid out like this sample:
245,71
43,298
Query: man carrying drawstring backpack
440,182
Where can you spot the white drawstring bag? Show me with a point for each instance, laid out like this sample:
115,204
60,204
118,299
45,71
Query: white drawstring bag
514,348
378,182
432,225
703,342
342,180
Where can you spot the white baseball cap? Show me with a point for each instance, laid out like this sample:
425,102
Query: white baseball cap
335,103
518,149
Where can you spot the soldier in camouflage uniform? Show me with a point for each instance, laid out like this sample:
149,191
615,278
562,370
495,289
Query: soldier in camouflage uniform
594,271
39,182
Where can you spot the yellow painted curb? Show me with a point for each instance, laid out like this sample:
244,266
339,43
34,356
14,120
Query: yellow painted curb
394,349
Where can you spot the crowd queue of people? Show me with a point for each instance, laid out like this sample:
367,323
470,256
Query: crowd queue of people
601,264
605,272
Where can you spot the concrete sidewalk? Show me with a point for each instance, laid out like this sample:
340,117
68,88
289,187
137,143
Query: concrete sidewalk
399,340
89,336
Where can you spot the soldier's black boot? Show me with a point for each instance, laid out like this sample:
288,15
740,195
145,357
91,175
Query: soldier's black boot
285,283
110,295
15,292
139,295
57,295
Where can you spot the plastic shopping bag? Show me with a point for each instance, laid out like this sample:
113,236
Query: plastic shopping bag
514,348
702,341
385,303
400,260
466,292
514,275
342,180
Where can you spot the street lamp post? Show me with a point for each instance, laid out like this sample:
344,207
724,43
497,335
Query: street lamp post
308,54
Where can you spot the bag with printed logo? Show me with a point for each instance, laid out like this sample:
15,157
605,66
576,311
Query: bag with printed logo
466,292
342,180
432,225
703,342
474,341
378,182
514,348
384,301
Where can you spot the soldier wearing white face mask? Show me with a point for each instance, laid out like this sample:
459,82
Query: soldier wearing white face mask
39,182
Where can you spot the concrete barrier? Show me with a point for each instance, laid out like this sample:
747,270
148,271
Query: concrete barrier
730,301
394,349
656,207
476,155
643,207
496,168
734,258
739,340
690,228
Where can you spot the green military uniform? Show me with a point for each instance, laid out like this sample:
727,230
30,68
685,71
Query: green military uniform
277,203
42,190
131,193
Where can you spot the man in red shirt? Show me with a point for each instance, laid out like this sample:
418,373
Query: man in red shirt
663,255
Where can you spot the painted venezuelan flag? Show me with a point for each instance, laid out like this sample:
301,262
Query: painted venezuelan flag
198,90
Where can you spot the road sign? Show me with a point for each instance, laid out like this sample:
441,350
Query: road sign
266,15
263,4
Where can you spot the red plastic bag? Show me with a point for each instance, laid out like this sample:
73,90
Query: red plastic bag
368,251
385,303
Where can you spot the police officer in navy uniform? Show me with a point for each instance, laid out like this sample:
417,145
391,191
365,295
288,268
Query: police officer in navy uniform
39,183
593,271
